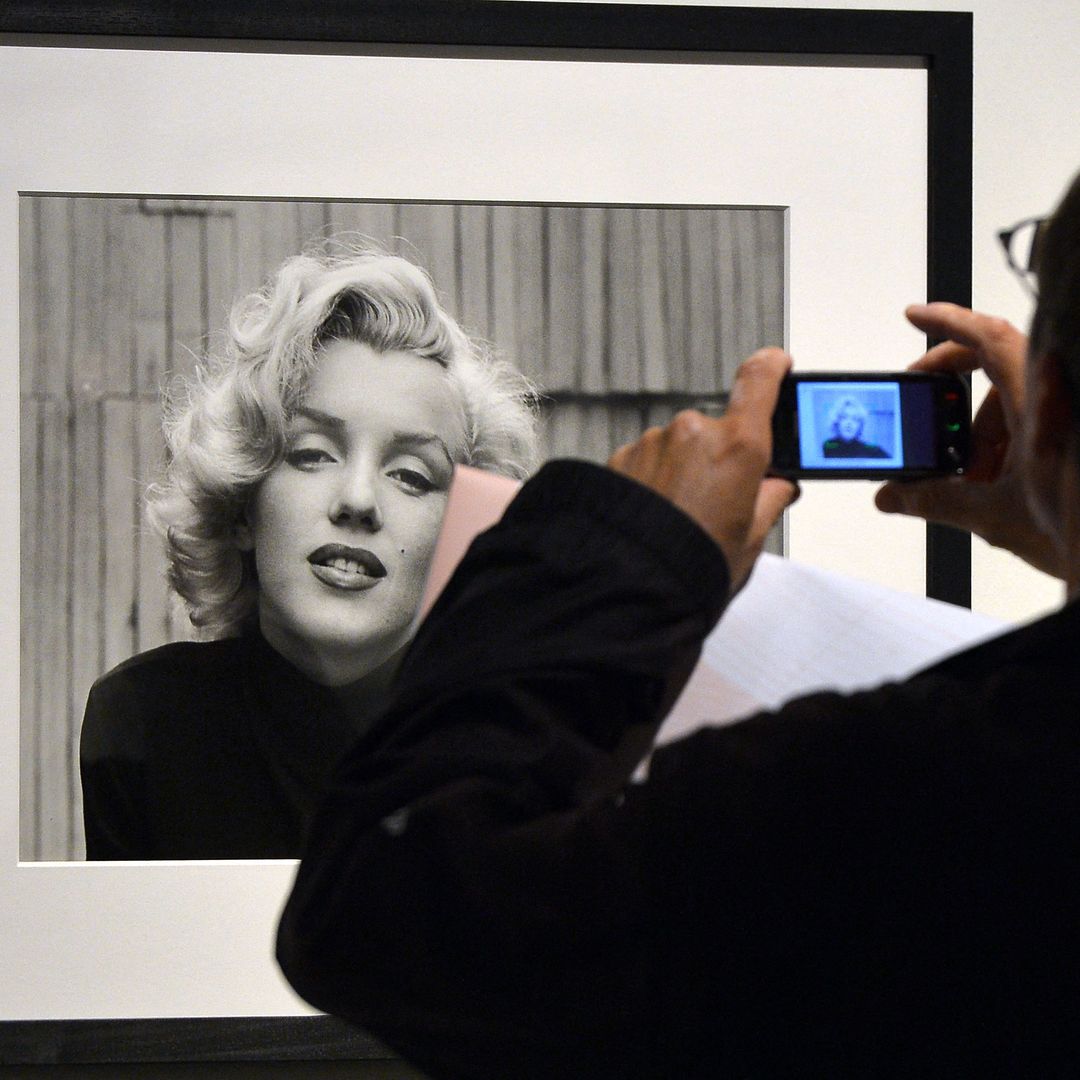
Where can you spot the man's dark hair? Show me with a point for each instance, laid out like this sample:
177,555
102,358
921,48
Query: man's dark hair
1056,326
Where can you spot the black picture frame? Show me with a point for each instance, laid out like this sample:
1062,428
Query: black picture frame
941,41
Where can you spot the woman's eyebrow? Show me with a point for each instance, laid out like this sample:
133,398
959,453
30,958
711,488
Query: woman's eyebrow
419,439
317,416
401,439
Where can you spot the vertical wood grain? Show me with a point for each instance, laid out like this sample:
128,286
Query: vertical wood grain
146,250
363,222
250,271
187,293
279,234
118,299
473,245
701,309
31,302
565,278
428,229
120,509
88,244
593,440
747,297
219,274
656,366
544,434
771,259
87,596
311,224
658,413
624,341
530,290
55,232
54,527
31,583
504,306
54,561
154,625
592,369
565,423
33,307
626,424
676,325
729,348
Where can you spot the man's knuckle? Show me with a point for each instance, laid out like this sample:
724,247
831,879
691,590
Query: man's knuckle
687,425
998,330
743,454
745,439
753,366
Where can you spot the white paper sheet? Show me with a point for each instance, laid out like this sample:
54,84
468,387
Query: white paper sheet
794,629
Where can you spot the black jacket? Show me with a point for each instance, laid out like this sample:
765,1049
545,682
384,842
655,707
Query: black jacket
851,448
885,884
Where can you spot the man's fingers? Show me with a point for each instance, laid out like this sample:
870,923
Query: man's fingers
948,501
951,321
628,456
757,385
774,496
1000,346
713,468
991,433
948,356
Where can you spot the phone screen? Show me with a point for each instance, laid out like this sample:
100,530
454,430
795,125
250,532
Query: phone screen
886,425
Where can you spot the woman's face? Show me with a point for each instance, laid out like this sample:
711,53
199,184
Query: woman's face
848,423
344,527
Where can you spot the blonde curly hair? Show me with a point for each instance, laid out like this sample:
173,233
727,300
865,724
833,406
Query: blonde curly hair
225,427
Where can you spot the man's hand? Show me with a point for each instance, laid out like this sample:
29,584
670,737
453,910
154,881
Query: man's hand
989,498
714,469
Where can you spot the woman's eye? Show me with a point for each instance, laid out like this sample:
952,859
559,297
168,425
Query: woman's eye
307,457
413,480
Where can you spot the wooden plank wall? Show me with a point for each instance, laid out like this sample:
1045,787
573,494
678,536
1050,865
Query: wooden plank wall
621,314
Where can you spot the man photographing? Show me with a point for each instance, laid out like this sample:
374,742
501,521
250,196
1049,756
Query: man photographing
878,884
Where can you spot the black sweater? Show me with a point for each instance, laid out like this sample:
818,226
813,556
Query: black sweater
209,750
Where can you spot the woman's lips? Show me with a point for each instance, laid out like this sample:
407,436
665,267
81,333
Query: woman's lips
344,567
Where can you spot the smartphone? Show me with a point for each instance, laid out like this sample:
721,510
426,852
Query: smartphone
871,426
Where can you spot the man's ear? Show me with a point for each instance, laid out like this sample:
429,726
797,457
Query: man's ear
1052,413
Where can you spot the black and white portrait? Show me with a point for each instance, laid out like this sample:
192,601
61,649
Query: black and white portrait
214,448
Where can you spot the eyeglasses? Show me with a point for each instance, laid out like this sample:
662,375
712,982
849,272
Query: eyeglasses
1023,246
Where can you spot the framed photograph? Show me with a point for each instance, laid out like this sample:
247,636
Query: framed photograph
722,177
619,315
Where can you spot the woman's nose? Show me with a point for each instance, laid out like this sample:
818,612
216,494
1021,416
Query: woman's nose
355,500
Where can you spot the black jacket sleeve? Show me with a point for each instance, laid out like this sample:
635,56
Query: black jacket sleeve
473,883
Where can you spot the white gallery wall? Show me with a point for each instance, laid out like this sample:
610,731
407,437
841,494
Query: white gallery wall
1026,148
